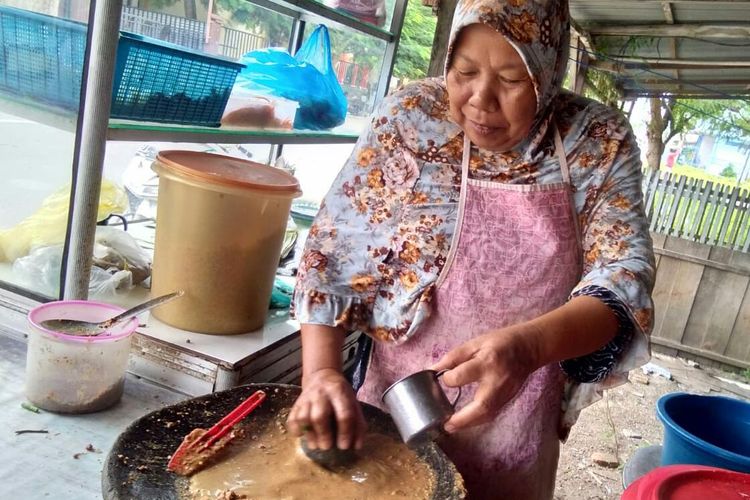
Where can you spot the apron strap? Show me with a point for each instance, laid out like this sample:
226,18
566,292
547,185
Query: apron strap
461,206
560,152
565,171
465,163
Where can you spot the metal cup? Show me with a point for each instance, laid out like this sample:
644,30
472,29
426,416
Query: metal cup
418,406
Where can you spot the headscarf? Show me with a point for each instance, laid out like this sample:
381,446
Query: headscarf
539,30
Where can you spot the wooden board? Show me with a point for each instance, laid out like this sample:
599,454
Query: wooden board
675,289
717,303
658,240
738,346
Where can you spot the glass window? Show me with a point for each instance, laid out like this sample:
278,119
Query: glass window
39,92
245,27
316,166
357,59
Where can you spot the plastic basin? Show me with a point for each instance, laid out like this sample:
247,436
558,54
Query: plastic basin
705,430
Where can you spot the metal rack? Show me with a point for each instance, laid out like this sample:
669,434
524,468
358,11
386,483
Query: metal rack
161,353
95,127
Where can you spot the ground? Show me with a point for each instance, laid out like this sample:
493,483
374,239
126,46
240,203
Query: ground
625,419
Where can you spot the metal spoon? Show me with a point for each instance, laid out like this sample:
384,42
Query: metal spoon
90,329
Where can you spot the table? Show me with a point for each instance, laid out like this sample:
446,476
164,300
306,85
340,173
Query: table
57,465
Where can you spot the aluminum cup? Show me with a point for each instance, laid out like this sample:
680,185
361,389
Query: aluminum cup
419,406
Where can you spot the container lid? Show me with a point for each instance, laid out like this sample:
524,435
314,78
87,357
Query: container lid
689,482
702,484
229,171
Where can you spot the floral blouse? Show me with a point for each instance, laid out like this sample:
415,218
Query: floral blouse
381,238
383,232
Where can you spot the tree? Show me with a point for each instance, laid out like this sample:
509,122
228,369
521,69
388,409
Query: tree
275,27
671,116
445,10
600,86
157,5
728,172
415,46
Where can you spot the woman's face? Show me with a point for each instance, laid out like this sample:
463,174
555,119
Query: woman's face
490,93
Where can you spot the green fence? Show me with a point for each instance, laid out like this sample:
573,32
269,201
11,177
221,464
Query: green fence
697,210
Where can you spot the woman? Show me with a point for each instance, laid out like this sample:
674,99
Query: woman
489,224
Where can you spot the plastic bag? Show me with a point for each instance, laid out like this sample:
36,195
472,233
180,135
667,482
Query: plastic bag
281,296
115,250
307,78
46,227
119,264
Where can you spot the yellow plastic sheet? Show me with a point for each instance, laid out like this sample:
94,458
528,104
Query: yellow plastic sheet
47,225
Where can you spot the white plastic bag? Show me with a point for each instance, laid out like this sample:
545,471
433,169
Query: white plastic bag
116,250
119,264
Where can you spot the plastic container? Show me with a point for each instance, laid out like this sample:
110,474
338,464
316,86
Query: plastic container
705,430
42,59
162,82
689,482
220,227
42,56
74,374
249,109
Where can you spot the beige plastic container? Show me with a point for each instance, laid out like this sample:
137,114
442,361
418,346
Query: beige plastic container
219,231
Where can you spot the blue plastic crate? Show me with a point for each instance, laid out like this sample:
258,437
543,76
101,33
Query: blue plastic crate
42,58
161,82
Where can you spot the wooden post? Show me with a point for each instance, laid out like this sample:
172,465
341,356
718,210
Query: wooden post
581,67
207,31
575,52
445,10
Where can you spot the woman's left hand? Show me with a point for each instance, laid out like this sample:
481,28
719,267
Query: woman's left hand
500,361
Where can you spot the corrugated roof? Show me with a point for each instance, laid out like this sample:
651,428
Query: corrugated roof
682,47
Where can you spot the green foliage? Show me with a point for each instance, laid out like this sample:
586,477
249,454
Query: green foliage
366,51
728,172
723,118
158,5
728,118
245,16
600,86
415,46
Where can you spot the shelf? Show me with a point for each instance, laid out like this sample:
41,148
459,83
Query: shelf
310,10
125,130
122,130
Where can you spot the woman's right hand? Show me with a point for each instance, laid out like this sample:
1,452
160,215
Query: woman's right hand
327,398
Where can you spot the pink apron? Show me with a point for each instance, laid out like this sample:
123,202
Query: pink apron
515,255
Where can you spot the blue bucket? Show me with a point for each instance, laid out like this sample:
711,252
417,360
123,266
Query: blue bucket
705,430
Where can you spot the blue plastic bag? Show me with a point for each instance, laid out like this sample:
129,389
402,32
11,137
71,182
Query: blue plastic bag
307,78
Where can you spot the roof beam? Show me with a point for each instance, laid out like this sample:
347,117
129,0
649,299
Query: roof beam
697,81
675,86
618,64
722,31
584,37
685,95
691,1
668,14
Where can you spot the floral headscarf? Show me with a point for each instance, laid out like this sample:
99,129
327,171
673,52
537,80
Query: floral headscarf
539,30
